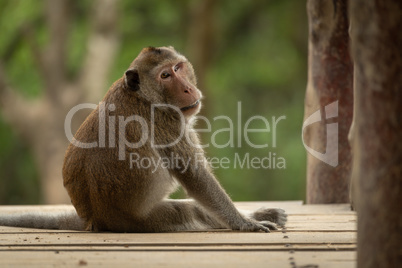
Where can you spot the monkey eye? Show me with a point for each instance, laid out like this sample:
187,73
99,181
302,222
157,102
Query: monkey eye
165,75
177,67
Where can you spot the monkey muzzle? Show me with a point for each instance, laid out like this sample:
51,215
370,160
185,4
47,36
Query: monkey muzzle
195,104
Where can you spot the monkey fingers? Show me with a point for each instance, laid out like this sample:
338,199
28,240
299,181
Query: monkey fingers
250,225
269,224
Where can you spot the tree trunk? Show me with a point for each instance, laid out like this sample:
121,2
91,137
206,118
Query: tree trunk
201,37
329,95
377,145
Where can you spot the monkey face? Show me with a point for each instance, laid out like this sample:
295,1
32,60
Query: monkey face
163,76
177,85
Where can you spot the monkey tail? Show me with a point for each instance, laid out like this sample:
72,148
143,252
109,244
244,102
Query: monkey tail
61,220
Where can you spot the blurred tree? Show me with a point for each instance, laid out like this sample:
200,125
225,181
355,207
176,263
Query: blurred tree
201,45
376,138
330,80
40,121
248,51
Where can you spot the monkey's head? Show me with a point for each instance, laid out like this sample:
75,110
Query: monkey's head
163,76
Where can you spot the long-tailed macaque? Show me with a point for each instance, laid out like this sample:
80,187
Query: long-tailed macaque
132,152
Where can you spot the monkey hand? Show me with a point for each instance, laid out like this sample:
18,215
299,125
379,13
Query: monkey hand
251,225
273,215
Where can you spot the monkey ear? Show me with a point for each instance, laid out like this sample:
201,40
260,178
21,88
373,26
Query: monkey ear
132,79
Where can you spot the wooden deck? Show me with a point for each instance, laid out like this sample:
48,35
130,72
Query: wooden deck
315,236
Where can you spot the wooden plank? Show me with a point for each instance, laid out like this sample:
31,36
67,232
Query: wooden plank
172,239
295,223
333,223
323,218
297,207
291,208
130,247
33,208
178,259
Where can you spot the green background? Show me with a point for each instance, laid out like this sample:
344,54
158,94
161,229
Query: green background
259,58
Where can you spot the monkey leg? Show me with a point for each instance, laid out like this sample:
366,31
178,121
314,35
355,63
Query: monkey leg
177,215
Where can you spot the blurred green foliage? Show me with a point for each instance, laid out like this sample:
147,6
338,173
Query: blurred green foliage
260,60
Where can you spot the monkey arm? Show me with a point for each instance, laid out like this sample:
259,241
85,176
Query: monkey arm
202,185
